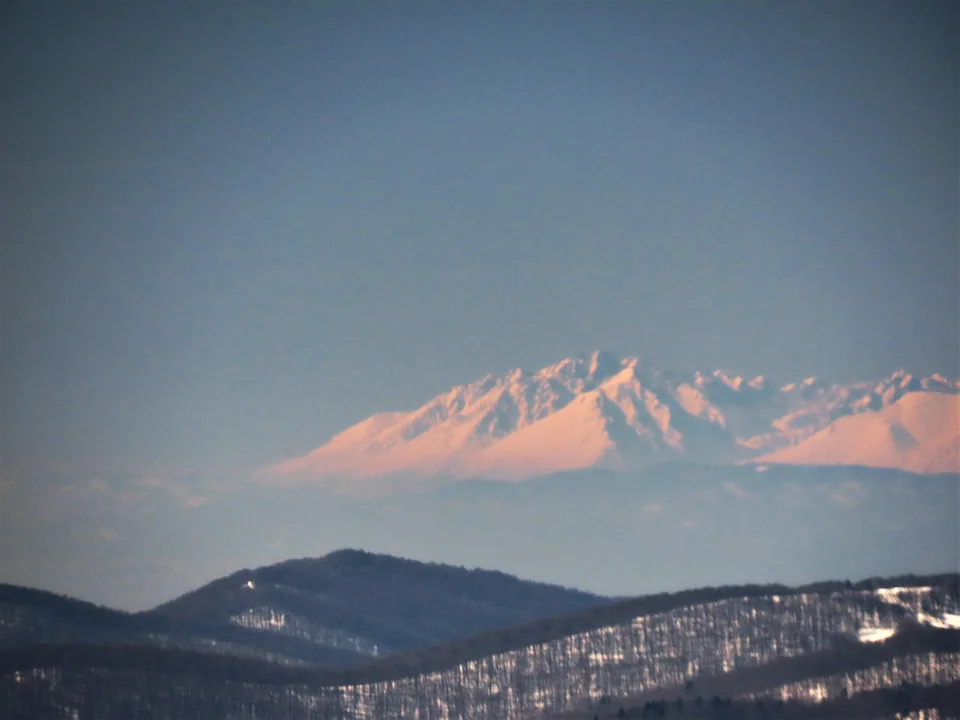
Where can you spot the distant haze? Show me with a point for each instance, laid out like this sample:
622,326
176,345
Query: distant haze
229,230
667,528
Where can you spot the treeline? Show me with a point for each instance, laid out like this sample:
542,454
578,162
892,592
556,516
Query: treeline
173,663
32,617
63,606
873,705
174,689
846,656
543,631
341,667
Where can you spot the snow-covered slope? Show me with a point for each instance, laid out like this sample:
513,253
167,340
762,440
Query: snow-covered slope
603,411
920,433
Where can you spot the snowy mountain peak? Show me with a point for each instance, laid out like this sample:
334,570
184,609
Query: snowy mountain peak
602,365
599,410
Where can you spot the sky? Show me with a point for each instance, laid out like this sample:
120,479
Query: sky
228,230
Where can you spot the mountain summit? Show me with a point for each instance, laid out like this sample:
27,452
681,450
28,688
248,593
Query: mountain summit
599,410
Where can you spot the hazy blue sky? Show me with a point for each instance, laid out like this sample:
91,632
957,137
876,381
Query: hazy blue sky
230,229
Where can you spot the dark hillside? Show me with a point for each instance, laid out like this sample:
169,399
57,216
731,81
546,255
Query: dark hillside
111,683
542,631
845,657
327,587
882,704
205,667
31,617
440,657
744,646
390,602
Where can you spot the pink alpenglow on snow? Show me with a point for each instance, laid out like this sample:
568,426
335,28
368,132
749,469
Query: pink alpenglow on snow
919,433
601,411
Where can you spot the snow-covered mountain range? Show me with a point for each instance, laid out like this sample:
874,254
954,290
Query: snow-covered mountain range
603,411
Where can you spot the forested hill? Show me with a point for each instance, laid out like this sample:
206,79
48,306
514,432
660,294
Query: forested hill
741,645
30,617
379,600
